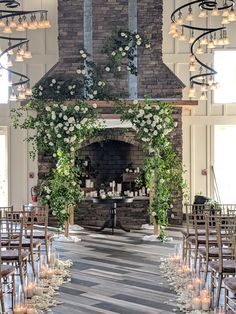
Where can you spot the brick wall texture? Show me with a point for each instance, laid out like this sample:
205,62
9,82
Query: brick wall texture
154,77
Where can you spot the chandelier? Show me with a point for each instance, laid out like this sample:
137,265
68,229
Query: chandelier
15,47
186,25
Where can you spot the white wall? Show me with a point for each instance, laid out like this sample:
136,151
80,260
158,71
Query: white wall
198,126
43,45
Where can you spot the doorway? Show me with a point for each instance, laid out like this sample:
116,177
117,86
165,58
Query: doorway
3,167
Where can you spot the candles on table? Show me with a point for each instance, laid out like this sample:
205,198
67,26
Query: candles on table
43,272
50,273
20,309
29,290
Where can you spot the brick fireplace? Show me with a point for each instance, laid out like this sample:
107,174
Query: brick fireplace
87,23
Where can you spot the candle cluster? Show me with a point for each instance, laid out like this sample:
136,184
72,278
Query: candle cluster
190,287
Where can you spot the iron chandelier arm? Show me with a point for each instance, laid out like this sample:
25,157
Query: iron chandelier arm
18,13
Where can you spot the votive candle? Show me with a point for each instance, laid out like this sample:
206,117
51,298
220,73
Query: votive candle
206,304
197,303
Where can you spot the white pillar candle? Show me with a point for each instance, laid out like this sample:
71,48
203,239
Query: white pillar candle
87,183
197,303
119,187
206,304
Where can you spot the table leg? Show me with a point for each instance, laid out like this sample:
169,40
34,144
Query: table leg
119,225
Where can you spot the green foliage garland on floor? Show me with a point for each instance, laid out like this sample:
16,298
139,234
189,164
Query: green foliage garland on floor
153,122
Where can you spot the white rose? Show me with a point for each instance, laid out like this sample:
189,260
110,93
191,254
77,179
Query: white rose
149,122
167,120
83,72
145,130
48,108
60,125
123,54
53,116
100,83
58,87
158,127
155,133
78,71
107,69
64,108
147,46
71,120
50,143
113,53
72,93
119,68
94,105
162,181
120,49
139,42
55,105
154,214
71,129
81,51
48,197
65,128
123,34
40,87
59,135
141,112
50,85
51,124
66,140
135,102
84,55
60,115
70,87
84,120
137,36
53,81
40,93
72,149
76,108
65,117
54,155
157,107
126,48
95,92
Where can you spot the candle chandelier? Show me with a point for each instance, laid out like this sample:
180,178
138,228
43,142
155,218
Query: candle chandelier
15,47
186,26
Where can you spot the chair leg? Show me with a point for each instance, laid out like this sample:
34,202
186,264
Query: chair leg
13,290
225,299
32,261
206,268
47,250
212,287
2,301
218,290
195,258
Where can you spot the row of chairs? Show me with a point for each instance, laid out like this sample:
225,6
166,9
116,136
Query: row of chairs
22,234
209,238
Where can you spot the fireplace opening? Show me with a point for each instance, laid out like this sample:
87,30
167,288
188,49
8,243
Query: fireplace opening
110,162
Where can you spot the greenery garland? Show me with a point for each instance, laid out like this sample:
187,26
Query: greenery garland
61,129
153,122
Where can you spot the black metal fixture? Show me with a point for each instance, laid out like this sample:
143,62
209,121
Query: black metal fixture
189,18
12,20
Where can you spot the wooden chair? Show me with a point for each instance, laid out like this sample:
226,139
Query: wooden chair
4,210
7,281
210,251
41,222
12,252
28,242
223,267
230,289
201,236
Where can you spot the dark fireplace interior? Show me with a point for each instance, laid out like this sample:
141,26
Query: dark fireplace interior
108,160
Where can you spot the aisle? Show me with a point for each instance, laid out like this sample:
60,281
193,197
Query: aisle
116,274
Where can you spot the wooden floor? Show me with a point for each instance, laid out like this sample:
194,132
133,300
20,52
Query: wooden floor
116,274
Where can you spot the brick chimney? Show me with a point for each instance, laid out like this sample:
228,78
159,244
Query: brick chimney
88,23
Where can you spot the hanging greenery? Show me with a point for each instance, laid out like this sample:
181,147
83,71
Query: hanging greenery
121,50
153,122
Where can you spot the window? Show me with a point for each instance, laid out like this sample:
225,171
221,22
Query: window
4,82
224,162
225,65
